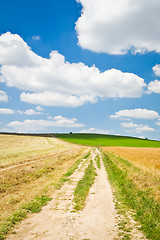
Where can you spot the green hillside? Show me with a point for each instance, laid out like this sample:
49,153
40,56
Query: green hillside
107,140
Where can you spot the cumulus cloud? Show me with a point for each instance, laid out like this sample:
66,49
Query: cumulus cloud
136,113
154,86
39,108
30,112
56,99
94,130
119,26
137,127
156,69
129,125
144,128
16,53
6,111
3,96
44,125
56,82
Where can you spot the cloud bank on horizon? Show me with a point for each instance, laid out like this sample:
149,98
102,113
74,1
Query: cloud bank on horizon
41,125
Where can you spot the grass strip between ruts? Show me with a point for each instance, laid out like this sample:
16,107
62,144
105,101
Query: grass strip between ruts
75,165
98,161
83,186
147,210
70,171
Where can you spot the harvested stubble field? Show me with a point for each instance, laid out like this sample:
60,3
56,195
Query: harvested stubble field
17,149
31,167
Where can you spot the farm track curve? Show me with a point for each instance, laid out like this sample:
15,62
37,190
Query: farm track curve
37,160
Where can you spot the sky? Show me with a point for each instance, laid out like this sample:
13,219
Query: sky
80,66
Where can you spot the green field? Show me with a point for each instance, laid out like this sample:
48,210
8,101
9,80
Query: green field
107,140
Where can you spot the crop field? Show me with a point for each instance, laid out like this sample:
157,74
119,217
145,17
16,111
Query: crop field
16,149
107,140
146,158
31,167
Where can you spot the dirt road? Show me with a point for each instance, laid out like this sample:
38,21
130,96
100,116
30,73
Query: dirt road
58,220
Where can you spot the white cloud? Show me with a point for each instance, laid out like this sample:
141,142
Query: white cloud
39,108
158,123
94,130
130,125
117,26
137,127
56,82
156,69
136,113
66,122
36,37
3,96
56,99
16,53
6,111
30,112
154,86
144,128
142,137
43,125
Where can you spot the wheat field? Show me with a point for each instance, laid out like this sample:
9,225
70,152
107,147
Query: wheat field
146,158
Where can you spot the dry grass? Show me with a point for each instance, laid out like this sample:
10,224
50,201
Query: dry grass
16,149
20,185
146,173
145,158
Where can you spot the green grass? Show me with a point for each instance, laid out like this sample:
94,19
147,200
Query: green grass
147,210
107,140
69,172
75,165
83,186
98,161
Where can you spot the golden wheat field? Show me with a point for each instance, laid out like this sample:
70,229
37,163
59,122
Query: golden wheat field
145,158
146,175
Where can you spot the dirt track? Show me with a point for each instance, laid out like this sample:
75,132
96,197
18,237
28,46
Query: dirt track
58,221
37,160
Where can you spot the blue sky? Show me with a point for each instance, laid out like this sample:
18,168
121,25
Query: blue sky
85,66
